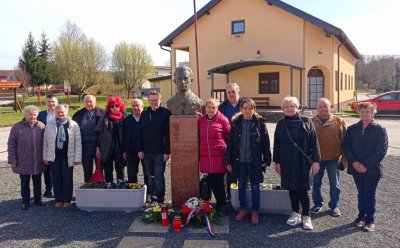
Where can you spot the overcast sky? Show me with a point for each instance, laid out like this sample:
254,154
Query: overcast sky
370,24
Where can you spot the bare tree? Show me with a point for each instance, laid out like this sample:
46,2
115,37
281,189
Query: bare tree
80,59
131,65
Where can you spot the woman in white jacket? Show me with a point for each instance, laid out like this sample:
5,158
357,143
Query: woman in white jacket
62,149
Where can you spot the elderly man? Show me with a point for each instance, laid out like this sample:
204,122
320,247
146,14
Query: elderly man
184,102
153,145
231,106
131,135
330,132
87,119
25,154
44,117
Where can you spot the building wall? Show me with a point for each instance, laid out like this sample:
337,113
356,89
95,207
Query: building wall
277,34
165,89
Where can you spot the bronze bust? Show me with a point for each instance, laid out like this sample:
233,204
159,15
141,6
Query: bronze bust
184,102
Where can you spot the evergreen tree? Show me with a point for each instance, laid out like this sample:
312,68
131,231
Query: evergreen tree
28,59
43,60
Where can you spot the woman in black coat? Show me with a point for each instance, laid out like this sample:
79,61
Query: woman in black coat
296,152
365,145
247,155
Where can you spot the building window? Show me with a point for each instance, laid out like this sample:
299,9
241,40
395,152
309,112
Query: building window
345,81
238,27
336,80
341,81
268,83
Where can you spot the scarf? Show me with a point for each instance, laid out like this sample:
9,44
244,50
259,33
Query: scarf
115,117
61,138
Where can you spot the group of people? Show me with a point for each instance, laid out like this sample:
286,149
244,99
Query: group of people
234,140
234,146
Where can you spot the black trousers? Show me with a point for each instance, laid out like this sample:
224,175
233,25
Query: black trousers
216,182
88,157
300,197
47,178
109,165
229,181
26,190
133,168
62,179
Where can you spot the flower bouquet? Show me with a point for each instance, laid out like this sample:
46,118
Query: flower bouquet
199,213
152,214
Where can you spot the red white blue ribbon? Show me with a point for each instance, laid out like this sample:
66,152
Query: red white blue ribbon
195,212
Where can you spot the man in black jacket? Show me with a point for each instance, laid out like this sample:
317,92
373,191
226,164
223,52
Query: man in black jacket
87,119
131,135
44,117
153,144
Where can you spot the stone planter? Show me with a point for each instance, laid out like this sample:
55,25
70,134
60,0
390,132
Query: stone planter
271,201
127,200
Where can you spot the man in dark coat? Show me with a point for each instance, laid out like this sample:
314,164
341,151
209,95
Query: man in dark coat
44,117
131,135
153,144
87,119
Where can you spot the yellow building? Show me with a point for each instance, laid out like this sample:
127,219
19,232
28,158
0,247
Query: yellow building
271,49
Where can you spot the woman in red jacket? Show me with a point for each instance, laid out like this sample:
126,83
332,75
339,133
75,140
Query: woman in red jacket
214,129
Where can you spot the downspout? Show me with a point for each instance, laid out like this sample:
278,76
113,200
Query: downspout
338,75
170,66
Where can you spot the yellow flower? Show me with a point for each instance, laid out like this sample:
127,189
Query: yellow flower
134,186
156,208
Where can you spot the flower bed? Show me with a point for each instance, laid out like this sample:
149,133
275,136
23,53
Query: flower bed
110,197
273,199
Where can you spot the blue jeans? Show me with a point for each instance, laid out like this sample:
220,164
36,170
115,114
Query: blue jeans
255,189
155,167
366,187
331,167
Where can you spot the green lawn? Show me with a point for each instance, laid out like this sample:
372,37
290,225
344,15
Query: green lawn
8,117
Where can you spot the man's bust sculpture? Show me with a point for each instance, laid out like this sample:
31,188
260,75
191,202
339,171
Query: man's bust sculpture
184,102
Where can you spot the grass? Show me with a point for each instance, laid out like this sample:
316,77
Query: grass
8,117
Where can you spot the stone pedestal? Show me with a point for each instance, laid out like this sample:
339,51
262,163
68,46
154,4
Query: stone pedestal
184,158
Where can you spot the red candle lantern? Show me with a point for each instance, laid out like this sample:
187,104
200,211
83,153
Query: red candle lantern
177,223
164,215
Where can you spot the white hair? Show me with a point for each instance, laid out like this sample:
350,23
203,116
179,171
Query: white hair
325,100
292,99
233,86
30,108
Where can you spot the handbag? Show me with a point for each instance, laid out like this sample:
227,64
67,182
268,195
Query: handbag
298,147
205,189
97,176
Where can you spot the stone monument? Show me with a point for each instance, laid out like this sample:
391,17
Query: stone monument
184,139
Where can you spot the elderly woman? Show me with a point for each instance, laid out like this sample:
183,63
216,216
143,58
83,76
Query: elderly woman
296,151
25,153
62,149
214,129
365,145
247,155
110,140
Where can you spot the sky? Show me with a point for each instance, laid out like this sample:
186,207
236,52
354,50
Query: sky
370,24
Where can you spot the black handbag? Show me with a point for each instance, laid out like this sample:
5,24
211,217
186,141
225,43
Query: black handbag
205,189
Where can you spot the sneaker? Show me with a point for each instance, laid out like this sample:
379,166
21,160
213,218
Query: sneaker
369,227
335,212
316,209
58,204
307,225
294,219
48,194
359,222
241,215
255,218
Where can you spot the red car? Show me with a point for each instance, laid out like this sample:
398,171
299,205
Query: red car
386,103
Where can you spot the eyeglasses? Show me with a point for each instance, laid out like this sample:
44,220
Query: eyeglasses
114,106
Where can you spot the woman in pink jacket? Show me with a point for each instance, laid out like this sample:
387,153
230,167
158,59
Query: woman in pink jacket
214,129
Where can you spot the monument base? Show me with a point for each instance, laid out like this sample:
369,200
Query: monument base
184,158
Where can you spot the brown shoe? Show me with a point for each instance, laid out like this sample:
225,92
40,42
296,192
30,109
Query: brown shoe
241,215
58,204
67,204
255,219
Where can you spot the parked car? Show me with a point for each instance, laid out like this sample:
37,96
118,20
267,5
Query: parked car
386,103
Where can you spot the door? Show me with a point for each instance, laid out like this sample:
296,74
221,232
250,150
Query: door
315,87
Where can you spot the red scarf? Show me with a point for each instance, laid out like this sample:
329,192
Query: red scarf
115,117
